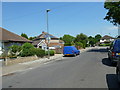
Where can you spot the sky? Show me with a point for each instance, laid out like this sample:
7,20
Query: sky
64,18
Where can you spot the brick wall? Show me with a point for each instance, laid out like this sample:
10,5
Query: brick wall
20,60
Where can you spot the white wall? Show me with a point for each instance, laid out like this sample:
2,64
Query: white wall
54,41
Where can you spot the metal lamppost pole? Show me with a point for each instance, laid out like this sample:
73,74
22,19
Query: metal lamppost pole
119,30
48,33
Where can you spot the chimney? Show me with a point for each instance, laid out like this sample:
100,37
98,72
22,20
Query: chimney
43,32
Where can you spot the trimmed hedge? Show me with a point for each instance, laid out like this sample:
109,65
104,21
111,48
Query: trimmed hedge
104,45
39,52
27,50
52,52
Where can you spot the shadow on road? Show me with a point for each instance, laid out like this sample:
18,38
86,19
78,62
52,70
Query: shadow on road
69,56
107,62
112,83
102,50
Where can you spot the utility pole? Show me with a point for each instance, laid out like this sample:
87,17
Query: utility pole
118,29
48,37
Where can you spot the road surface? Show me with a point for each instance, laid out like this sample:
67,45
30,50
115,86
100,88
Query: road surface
91,69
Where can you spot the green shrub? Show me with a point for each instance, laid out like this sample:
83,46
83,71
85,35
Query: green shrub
39,52
27,50
79,44
104,45
14,50
67,44
27,46
52,52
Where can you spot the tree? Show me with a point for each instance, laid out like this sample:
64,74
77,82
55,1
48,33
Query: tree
31,38
61,38
92,40
82,38
113,14
24,35
79,45
97,38
68,39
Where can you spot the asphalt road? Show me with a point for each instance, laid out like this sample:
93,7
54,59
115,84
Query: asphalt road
91,69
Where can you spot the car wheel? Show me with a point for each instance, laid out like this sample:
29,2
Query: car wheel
118,75
75,55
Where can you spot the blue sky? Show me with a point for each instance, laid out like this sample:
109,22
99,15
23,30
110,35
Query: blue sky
64,18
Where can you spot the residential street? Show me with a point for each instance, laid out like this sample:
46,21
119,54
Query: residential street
90,69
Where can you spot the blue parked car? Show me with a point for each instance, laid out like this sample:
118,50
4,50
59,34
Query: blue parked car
70,50
114,52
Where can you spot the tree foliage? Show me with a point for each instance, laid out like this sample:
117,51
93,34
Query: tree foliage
14,50
98,37
79,44
92,40
24,35
113,14
27,50
31,38
68,39
82,38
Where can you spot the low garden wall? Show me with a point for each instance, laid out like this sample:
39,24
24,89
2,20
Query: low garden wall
9,61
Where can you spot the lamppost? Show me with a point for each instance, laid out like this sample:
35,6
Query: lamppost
119,30
48,37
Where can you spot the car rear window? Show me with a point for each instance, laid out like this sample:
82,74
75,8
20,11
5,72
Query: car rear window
117,45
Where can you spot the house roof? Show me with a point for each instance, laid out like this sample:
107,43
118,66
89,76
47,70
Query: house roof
36,42
45,35
9,36
107,37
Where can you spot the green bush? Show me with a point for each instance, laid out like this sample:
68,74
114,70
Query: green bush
39,52
79,44
27,50
52,53
67,44
14,50
27,46
104,45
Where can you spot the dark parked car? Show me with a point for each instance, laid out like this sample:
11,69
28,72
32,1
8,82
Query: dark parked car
70,50
114,51
118,71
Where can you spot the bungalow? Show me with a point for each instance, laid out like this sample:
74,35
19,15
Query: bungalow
106,39
42,42
8,38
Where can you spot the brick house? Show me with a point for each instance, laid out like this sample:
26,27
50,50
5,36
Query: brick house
41,42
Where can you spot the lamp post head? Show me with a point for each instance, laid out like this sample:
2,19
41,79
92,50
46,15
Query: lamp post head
48,10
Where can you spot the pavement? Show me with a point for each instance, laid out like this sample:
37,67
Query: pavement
8,70
90,69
